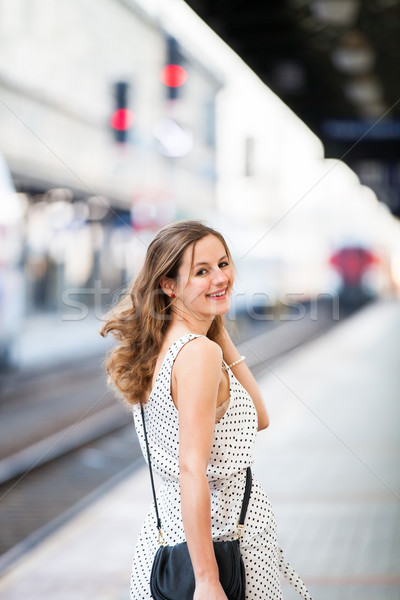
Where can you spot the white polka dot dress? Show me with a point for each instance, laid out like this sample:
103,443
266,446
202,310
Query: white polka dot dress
232,453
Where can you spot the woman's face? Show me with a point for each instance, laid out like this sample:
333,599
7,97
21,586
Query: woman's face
211,274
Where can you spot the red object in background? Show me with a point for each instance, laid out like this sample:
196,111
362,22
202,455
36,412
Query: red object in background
122,119
173,75
352,262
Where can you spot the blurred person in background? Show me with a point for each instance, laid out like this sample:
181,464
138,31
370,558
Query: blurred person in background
202,407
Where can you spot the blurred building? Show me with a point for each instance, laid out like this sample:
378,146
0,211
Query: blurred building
105,149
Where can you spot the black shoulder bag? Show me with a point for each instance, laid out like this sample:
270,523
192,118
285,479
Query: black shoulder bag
172,576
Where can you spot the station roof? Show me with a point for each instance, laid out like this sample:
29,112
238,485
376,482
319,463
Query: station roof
335,63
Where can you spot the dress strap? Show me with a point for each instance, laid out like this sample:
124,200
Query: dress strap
173,350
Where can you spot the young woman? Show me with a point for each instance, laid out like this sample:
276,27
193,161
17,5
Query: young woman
203,409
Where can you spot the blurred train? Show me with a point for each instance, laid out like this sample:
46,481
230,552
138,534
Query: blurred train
295,273
355,265
12,294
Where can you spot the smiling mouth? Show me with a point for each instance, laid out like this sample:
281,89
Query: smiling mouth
220,294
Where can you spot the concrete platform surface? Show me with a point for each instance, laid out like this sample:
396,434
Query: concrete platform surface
330,462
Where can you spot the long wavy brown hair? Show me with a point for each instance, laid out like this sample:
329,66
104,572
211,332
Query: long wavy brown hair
140,320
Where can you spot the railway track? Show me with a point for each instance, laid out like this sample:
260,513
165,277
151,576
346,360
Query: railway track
76,440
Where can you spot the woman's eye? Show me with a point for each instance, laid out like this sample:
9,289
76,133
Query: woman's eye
221,265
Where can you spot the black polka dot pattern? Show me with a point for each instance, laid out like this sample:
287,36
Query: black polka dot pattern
232,453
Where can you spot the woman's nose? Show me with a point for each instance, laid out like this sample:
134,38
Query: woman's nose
220,276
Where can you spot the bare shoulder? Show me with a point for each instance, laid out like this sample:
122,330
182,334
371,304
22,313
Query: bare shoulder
200,351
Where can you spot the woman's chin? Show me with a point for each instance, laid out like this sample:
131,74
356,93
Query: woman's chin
222,309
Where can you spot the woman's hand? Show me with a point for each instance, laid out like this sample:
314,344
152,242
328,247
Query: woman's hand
209,590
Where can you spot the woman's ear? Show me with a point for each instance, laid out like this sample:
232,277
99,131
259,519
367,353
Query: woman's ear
168,286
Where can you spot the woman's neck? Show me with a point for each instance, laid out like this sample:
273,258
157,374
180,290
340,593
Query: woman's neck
181,325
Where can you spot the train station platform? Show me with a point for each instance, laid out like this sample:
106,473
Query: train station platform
50,339
330,463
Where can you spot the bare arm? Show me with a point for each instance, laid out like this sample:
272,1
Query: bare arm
245,376
198,372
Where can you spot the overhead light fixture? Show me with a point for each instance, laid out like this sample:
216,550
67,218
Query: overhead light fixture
353,55
288,76
343,13
364,90
372,110
174,140
353,61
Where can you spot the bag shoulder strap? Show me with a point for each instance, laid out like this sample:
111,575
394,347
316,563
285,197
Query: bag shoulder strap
245,502
160,535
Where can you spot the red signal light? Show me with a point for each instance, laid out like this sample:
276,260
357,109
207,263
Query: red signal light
173,75
122,119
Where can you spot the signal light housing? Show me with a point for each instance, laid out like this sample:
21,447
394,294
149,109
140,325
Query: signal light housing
122,118
173,74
